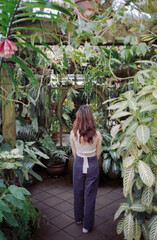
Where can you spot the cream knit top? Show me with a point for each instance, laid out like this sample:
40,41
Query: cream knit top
84,150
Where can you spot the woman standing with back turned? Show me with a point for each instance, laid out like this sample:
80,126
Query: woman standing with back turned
86,147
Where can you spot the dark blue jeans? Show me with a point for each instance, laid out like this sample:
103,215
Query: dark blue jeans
85,190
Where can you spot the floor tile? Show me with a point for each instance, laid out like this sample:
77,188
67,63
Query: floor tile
51,213
52,201
65,195
61,235
62,221
64,206
74,230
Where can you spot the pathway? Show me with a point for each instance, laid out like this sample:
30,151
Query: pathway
54,198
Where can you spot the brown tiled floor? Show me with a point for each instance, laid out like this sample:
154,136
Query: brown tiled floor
54,199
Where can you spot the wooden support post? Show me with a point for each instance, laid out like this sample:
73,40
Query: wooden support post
8,109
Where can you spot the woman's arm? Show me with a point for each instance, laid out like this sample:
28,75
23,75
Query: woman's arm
72,144
98,147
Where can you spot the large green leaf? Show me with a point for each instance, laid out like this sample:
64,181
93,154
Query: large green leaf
4,207
145,173
18,192
14,201
9,217
143,133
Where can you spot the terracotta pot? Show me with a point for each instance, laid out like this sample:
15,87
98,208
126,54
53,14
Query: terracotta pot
56,169
88,6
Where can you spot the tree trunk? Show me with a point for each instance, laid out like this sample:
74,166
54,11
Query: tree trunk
8,108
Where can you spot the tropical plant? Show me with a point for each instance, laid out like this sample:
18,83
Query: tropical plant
13,16
18,162
110,158
55,154
11,198
136,113
27,219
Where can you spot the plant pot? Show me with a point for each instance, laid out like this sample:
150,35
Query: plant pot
112,175
56,169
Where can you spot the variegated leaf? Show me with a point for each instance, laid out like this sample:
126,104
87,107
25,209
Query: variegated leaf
130,141
145,232
154,158
143,103
145,173
147,196
148,108
129,94
120,114
120,105
120,226
128,180
131,128
153,231
114,130
143,133
128,226
132,104
122,208
155,93
137,231
154,130
138,207
156,188
127,122
151,221
139,183
127,162
133,150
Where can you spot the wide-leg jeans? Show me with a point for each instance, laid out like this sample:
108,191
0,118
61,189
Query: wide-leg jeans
85,190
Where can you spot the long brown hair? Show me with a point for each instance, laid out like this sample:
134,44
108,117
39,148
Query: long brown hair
84,123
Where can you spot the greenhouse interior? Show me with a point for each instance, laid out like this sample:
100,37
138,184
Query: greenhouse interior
57,58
